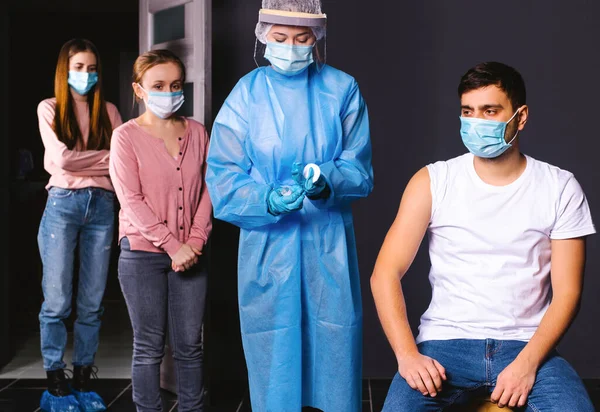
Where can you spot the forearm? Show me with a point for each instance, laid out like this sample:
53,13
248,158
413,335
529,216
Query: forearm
202,225
554,324
391,308
101,169
347,180
81,161
238,199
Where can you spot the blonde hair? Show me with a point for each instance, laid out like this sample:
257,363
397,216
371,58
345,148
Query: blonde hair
152,58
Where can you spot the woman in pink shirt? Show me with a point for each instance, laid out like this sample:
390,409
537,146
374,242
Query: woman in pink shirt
76,127
157,165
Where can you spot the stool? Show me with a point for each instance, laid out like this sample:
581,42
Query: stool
484,405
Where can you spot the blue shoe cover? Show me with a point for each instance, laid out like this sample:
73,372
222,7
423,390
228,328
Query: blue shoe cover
89,401
51,403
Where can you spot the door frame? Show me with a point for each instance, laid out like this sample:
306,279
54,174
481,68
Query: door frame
195,49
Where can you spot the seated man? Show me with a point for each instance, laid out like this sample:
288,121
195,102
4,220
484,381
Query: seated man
498,222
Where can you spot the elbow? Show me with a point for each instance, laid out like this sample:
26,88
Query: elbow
62,163
370,179
386,278
375,280
378,285
369,186
366,185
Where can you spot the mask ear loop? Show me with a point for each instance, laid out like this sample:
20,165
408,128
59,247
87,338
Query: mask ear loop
510,120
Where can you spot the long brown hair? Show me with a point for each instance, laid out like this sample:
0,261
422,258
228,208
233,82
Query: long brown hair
65,121
149,59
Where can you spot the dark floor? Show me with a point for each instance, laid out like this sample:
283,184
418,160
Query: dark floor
22,395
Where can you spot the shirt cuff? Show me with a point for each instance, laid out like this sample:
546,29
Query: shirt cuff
196,242
172,246
572,234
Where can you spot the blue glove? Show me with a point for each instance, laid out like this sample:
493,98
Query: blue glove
280,202
314,190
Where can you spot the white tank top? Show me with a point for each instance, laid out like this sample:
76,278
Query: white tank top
489,248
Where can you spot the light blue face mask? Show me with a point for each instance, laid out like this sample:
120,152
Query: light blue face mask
485,138
289,60
164,104
82,82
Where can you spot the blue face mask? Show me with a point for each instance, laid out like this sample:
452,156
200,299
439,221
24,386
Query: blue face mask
164,104
82,82
485,138
289,60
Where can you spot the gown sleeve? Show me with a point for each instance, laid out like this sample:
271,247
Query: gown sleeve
350,175
236,197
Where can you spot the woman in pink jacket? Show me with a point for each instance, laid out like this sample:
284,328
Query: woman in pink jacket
157,165
76,127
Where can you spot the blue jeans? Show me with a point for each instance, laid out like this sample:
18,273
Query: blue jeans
157,296
72,217
472,367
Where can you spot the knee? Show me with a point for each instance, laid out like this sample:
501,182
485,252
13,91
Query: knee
148,352
189,351
89,313
55,306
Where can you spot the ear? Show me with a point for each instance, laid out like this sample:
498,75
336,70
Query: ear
139,93
523,116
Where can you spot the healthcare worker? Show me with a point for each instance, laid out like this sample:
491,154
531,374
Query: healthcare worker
299,289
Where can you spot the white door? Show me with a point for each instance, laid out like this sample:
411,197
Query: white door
182,26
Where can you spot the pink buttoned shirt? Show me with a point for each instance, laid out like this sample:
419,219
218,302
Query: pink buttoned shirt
164,201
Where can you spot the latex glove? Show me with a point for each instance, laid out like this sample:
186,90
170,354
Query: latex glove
280,203
313,190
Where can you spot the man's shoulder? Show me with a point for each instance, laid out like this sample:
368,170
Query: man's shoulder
545,172
449,165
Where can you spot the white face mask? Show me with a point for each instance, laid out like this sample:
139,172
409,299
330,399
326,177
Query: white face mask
164,104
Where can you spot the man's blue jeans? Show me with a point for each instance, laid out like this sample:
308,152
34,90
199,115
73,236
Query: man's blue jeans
472,367
72,217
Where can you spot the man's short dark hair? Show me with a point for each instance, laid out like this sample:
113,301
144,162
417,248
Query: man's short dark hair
495,74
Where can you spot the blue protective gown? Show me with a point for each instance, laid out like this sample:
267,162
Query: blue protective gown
299,288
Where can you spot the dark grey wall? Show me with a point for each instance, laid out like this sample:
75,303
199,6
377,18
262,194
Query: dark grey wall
408,58
5,349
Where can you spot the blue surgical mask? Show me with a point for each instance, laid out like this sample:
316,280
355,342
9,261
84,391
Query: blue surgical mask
82,82
164,104
485,138
289,60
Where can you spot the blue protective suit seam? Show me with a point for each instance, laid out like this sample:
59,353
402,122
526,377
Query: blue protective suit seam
314,326
352,89
272,330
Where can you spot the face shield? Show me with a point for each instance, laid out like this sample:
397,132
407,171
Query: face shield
317,23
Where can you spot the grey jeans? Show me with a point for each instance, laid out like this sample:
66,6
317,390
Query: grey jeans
157,298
